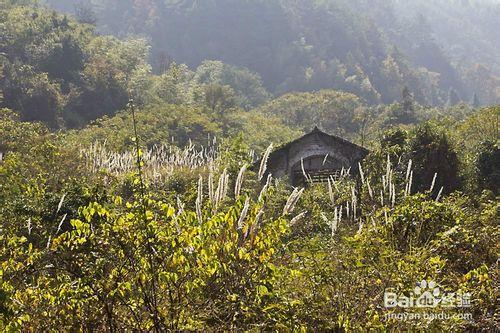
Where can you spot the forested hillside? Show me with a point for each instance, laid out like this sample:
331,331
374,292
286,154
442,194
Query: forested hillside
135,144
369,48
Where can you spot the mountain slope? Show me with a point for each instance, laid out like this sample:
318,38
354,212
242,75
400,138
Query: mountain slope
370,48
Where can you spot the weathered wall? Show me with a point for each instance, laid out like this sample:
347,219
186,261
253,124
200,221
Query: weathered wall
341,154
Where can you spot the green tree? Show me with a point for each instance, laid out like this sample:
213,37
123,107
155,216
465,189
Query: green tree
394,138
487,165
453,98
58,71
474,102
247,86
404,112
408,102
481,126
175,86
33,94
334,111
218,98
433,154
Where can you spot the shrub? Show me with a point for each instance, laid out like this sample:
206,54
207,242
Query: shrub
432,153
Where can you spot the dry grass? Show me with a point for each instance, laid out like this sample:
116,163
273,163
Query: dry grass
159,162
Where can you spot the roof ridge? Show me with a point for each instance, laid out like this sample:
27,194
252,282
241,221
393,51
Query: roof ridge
316,130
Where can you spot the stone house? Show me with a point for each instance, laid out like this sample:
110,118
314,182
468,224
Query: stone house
316,154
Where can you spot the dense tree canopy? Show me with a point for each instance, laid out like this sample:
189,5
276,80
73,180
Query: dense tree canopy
133,194
335,112
370,48
58,71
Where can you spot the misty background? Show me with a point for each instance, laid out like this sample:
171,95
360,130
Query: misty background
444,51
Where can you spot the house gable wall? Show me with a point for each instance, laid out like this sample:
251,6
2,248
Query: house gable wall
341,153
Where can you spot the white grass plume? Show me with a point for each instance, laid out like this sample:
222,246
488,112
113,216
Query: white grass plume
199,200
439,194
370,191
221,192
408,169
265,187
61,223
211,193
361,173
239,181
330,192
325,159
297,218
244,213
433,182
258,217
303,169
60,203
263,162
292,201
